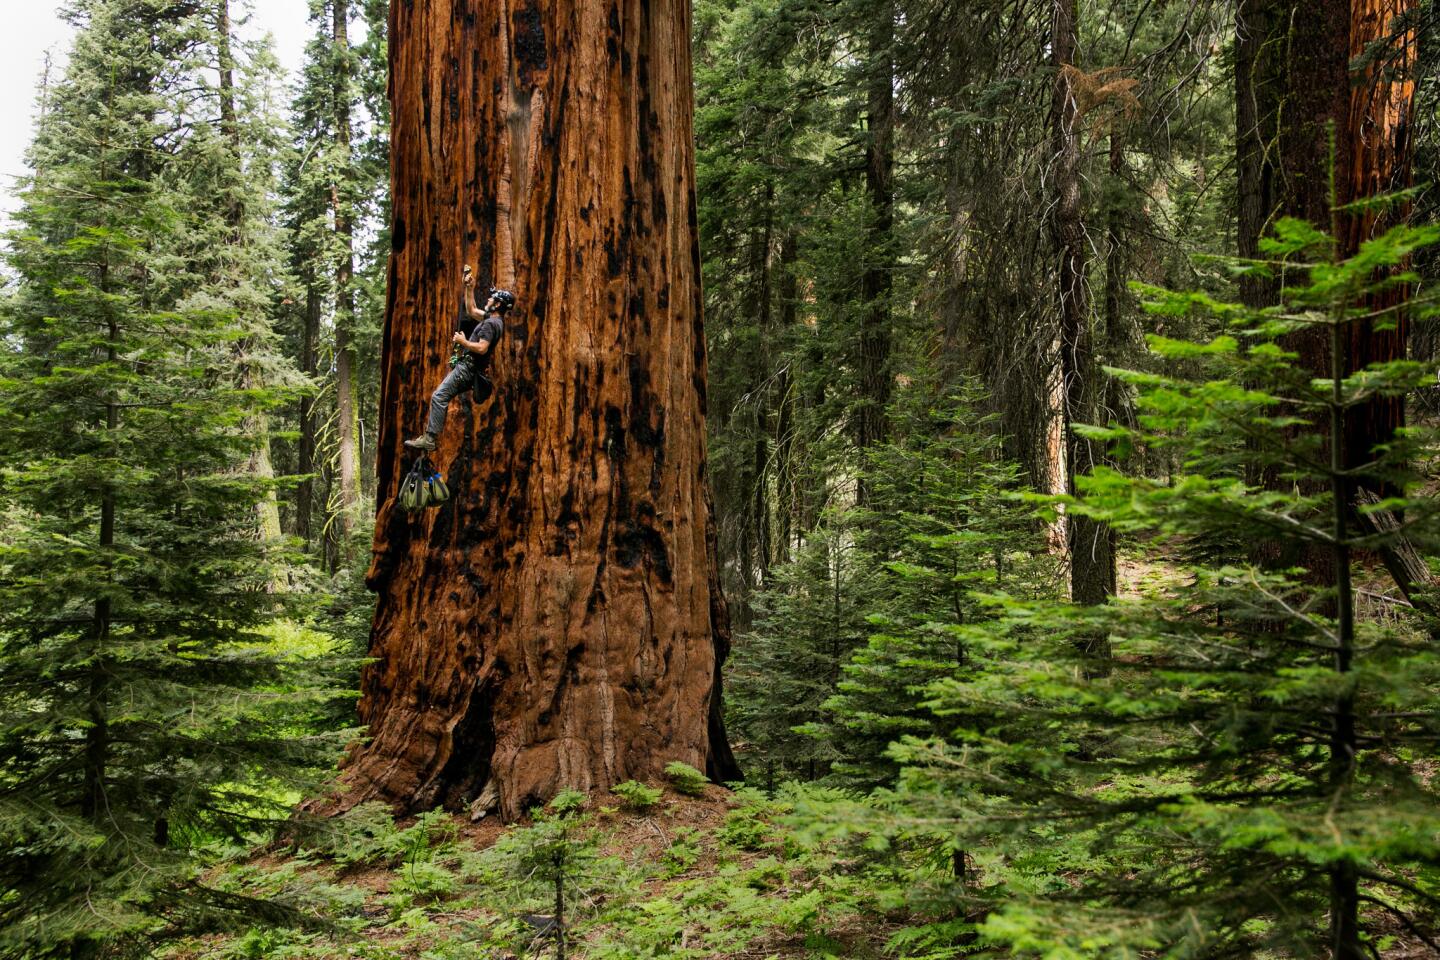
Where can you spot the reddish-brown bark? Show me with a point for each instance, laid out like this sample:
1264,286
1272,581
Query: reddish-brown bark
1310,75
1377,133
559,623
1309,105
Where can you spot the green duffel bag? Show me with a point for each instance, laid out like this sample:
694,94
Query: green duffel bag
412,492
437,490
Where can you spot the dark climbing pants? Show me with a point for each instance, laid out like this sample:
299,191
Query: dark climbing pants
463,377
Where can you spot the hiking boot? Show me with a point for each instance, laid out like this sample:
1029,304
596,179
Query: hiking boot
426,441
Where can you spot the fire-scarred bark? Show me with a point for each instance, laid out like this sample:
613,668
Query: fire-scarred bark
559,623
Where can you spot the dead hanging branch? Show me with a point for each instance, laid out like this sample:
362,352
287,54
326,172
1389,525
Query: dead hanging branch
1107,93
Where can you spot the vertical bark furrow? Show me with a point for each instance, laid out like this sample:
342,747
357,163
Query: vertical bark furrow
1378,132
559,623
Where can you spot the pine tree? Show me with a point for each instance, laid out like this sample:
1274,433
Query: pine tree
808,621
848,635
1252,778
762,114
335,187
140,716
944,523
227,251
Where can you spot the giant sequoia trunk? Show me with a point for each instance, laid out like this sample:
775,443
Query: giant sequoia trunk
559,623
1377,133
1323,89
1309,75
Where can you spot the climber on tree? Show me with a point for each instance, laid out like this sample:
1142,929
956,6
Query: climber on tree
472,357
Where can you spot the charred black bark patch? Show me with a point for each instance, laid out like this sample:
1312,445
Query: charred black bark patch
597,593
434,257
614,258
697,380
385,561
637,542
530,393
614,434
515,506
657,468
643,123
641,402
568,514
580,403
473,745
528,30
452,90
567,524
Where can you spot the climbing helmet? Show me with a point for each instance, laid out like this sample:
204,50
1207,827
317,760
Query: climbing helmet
504,298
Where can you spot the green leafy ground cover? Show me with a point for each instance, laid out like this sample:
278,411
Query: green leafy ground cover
724,875
720,875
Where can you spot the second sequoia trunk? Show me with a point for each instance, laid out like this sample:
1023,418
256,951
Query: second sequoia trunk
559,623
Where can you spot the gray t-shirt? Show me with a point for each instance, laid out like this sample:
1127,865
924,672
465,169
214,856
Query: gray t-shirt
490,330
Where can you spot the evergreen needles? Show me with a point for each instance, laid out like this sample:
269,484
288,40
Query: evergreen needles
1250,776
141,715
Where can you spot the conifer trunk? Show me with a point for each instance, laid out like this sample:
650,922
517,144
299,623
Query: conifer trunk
1377,150
786,495
874,336
1291,94
559,623
1259,76
1315,135
760,445
1377,131
258,424
306,446
344,290
1345,943
1091,545
97,733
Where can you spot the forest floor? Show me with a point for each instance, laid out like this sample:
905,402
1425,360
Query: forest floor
720,875
715,876
691,877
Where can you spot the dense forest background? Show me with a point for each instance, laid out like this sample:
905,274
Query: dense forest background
1071,411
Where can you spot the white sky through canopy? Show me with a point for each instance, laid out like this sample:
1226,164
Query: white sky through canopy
34,29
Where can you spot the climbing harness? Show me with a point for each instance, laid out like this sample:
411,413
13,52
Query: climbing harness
422,487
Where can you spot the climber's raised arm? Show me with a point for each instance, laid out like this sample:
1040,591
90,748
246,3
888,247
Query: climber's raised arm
475,312
472,360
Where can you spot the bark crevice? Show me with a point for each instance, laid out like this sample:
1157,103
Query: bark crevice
472,747
578,552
